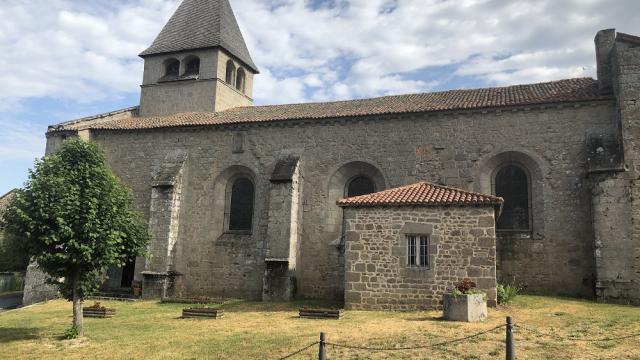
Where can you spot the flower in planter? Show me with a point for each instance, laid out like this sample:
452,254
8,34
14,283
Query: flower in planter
465,286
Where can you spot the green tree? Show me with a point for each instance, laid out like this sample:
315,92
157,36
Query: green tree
13,256
76,220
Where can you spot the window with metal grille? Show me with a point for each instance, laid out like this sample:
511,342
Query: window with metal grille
171,67
240,80
418,251
192,66
230,77
512,184
241,205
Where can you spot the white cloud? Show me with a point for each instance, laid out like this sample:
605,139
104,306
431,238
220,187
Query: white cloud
69,50
497,42
87,51
21,141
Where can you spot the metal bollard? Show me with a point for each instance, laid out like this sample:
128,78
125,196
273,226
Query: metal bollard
322,353
511,353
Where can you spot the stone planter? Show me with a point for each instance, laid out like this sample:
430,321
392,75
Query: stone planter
92,312
469,308
321,313
202,313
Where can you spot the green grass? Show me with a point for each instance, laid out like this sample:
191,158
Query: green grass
254,330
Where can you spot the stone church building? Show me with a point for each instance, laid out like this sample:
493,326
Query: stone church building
242,200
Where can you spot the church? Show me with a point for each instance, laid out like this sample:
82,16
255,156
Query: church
385,202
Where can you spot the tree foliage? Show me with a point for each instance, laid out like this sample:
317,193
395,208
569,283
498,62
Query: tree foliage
13,255
76,218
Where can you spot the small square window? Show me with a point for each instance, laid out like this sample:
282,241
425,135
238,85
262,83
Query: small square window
418,251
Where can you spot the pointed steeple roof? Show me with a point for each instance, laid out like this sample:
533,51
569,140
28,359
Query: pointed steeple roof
199,24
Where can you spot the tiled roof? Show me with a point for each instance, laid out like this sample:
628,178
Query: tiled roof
570,90
198,24
422,193
5,200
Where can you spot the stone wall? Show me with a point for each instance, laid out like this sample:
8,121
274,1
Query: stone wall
178,96
36,288
223,57
615,204
461,245
451,148
228,97
208,92
614,255
627,89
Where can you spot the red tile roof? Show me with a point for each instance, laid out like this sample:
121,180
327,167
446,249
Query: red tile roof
570,90
422,193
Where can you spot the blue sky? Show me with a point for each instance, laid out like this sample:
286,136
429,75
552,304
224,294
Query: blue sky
66,59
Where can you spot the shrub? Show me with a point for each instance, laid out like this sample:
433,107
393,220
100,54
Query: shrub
71,333
507,292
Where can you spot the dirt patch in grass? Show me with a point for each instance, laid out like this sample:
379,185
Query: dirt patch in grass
250,330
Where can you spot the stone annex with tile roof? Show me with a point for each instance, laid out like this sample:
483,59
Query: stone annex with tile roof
241,200
405,246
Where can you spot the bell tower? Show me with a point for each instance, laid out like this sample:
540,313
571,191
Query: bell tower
198,63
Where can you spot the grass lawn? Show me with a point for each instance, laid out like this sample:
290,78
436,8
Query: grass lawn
251,330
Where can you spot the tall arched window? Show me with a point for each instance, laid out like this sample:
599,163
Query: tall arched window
360,185
241,205
192,66
231,73
512,184
240,80
171,67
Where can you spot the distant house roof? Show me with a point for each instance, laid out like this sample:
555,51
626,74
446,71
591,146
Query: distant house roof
4,202
422,193
570,90
199,24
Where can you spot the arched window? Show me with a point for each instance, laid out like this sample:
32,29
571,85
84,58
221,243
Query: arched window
192,66
241,205
512,184
240,80
360,185
171,67
231,73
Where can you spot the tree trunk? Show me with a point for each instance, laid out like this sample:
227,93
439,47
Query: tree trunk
77,305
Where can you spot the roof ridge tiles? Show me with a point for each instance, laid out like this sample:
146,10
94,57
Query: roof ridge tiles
559,91
421,193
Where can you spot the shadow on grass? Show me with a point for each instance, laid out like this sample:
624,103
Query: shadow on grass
261,306
8,335
438,318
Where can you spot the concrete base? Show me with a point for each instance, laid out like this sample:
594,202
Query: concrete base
157,285
469,308
278,284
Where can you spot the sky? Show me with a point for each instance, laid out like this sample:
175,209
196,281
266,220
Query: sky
66,59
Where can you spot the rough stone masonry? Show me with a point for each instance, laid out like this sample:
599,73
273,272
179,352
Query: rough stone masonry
575,141
386,268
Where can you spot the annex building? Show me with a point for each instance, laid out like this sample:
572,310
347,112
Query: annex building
535,184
